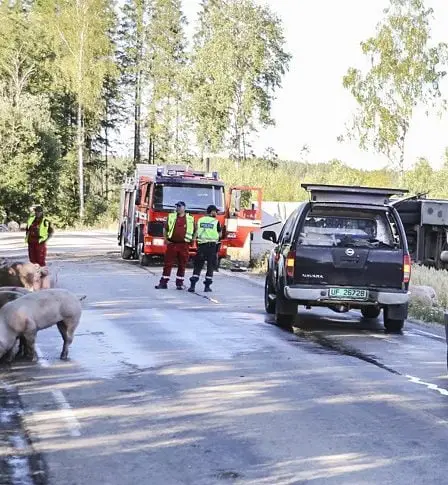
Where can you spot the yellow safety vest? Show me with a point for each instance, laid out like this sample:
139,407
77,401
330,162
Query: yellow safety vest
43,229
208,230
172,223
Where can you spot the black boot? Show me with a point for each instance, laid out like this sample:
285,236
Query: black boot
179,284
207,284
163,284
193,281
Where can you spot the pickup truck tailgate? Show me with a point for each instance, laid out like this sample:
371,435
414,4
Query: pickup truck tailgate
355,267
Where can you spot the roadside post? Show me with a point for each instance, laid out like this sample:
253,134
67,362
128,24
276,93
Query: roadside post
445,319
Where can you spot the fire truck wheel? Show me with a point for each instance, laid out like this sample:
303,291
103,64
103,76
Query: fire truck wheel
138,250
145,260
126,252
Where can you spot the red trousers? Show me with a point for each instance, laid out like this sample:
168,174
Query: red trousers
176,253
37,253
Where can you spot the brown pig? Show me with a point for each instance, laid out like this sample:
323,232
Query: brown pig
26,275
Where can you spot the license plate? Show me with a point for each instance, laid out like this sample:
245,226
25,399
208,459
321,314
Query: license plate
348,293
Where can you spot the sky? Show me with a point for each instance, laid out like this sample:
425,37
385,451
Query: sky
312,108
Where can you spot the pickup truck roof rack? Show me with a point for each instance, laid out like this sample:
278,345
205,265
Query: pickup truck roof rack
346,194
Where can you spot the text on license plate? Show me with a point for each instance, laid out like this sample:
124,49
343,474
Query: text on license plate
351,293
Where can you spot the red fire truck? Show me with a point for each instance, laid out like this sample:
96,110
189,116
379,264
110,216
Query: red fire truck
151,194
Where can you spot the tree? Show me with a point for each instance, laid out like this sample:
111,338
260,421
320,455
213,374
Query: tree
29,155
83,51
420,179
30,145
405,72
135,16
166,72
238,63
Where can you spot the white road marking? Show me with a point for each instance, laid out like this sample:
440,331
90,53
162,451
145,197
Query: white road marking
433,387
66,411
427,334
43,362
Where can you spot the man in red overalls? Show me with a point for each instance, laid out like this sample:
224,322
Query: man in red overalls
38,232
178,232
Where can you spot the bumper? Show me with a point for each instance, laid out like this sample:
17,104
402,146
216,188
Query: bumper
311,294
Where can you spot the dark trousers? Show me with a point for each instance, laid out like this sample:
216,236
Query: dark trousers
37,253
176,253
206,253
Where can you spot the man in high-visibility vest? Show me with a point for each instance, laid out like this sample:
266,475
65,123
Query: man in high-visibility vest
208,234
38,232
178,233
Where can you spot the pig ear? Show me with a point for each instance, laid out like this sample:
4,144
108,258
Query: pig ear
12,271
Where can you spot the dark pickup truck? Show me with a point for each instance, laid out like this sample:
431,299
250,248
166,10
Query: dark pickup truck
344,249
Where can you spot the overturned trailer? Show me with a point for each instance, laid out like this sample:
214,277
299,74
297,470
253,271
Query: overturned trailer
426,225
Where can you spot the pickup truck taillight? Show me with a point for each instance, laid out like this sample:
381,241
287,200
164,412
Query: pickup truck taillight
290,263
406,268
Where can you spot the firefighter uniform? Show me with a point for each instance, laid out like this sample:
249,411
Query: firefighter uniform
208,235
179,234
38,231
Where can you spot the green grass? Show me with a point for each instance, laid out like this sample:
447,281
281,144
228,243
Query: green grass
436,279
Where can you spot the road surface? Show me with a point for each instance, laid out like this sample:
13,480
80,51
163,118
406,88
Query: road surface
170,388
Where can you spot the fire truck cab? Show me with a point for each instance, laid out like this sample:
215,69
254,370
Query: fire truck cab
151,194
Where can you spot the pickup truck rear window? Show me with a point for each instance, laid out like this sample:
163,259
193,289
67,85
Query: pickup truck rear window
372,230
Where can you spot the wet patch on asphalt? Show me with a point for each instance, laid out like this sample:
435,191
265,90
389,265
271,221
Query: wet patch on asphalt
228,475
19,463
327,345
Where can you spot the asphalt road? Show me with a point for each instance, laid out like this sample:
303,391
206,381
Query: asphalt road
168,388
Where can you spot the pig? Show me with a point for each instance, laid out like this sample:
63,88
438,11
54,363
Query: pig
7,294
26,275
36,311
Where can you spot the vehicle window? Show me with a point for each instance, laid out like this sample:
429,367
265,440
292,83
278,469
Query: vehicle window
286,232
196,197
339,229
148,194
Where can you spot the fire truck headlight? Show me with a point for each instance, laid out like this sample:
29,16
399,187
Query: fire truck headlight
158,242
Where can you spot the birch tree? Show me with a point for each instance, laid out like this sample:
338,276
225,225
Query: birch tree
135,16
83,56
239,60
166,61
405,71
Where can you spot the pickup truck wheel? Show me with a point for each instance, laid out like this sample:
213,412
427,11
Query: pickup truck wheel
269,303
370,312
393,326
285,310
285,321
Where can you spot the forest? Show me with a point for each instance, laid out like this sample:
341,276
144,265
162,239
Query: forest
76,74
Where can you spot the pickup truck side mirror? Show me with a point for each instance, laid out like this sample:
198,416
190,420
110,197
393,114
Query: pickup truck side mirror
269,236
